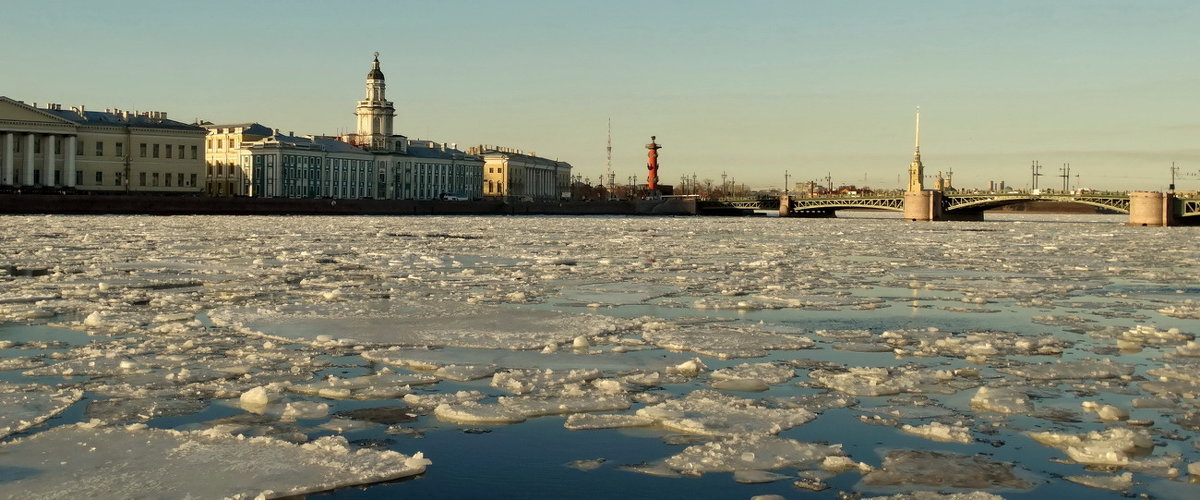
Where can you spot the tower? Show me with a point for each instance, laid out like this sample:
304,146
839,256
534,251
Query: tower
375,113
916,171
652,165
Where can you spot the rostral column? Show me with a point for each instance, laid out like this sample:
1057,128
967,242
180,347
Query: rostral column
652,165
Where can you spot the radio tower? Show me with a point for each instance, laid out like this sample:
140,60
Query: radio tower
609,175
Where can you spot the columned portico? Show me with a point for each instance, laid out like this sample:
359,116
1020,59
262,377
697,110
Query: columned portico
69,162
7,176
30,144
48,160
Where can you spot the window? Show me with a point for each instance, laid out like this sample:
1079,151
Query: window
181,151
143,153
78,177
120,149
117,179
79,147
208,144
220,143
168,150
168,180
99,178
156,150
180,183
155,178
37,147
142,178
99,148
193,152
193,181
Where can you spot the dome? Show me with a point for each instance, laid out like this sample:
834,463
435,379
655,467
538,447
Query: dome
375,74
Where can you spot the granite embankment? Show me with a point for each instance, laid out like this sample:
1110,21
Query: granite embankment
200,205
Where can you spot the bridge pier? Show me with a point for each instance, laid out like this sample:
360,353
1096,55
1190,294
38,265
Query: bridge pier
1151,208
924,205
785,206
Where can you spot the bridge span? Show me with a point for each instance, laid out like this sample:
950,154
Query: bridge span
1144,208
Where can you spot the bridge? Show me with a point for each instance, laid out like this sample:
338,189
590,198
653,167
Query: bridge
1144,208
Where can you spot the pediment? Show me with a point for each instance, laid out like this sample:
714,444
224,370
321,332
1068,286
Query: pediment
13,111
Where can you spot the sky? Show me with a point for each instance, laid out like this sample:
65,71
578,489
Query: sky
757,90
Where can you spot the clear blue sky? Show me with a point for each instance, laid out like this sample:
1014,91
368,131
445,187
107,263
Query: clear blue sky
751,88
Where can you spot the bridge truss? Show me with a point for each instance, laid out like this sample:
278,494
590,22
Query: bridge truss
976,202
951,203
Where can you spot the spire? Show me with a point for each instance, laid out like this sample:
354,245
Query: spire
917,147
916,170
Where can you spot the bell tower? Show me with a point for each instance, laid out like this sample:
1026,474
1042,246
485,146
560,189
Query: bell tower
916,171
375,113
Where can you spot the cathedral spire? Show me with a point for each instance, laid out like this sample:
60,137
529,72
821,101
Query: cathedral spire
916,170
917,147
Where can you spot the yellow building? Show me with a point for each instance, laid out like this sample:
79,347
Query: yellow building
511,174
113,150
224,175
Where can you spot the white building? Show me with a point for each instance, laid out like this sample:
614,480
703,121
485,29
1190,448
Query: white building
371,163
111,150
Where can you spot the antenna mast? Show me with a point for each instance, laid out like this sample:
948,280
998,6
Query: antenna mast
610,176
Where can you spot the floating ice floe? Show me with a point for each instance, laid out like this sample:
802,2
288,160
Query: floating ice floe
27,406
526,381
885,381
86,461
384,384
1001,400
752,452
943,470
937,431
1064,370
712,413
426,324
1117,446
1119,482
725,342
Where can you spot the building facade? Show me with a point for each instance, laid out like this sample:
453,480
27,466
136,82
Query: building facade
109,151
249,159
224,175
511,174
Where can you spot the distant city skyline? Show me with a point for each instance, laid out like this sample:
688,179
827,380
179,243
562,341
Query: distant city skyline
749,89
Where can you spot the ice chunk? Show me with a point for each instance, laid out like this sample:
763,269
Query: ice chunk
726,343
943,470
884,381
526,381
591,421
1105,412
296,410
1117,446
937,431
1001,400
470,412
1120,482
22,410
384,384
1081,369
712,413
540,405
84,461
750,452
426,324
770,373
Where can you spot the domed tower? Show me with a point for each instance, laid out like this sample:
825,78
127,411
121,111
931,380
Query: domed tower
375,113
